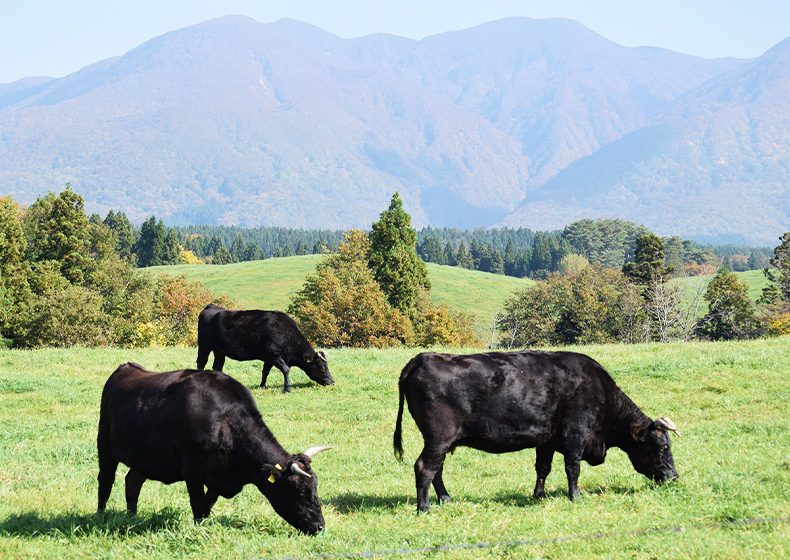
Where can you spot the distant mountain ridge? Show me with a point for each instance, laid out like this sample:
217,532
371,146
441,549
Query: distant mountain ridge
515,122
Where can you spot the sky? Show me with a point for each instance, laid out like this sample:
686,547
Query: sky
56,38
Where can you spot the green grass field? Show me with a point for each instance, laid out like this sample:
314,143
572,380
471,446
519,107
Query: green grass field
731,402
269,284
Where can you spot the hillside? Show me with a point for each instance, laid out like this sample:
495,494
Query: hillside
270,283
232,121
718,161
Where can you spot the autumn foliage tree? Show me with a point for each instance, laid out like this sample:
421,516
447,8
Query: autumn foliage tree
344,305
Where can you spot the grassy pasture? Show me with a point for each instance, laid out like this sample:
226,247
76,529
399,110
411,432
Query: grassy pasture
269,284
731,402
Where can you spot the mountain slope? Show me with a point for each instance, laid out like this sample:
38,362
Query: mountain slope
717,162
232,121
556,87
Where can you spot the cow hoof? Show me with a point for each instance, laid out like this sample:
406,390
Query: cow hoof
539,495
286,389
446,499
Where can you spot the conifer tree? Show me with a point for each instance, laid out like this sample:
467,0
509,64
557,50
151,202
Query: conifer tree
150,247
237,249
401,274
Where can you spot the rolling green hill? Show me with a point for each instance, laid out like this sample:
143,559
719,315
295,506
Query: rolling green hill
269,284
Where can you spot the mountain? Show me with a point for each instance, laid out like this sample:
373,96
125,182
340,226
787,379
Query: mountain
716,162
236,122
559,89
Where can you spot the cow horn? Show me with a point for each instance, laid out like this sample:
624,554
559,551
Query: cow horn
322,355
296,469
667,424
313,450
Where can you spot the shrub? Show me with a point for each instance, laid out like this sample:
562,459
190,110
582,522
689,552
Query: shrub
66,316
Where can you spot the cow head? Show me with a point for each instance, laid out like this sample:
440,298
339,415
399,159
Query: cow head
650,450
317,369
292,489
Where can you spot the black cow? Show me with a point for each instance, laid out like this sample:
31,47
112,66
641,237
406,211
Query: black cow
271,336
507,401
202,427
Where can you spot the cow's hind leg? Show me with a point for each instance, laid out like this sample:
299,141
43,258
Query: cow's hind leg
202,358
134,483
267,367
438,485
283,367
543,458
428,464
107,467
219,361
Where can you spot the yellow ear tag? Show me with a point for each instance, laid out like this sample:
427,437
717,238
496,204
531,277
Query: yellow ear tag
278,467
272,478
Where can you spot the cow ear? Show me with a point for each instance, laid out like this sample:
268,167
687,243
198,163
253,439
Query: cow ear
638,432
308,358
272,472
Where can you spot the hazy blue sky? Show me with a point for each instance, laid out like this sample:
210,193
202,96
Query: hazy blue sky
55,38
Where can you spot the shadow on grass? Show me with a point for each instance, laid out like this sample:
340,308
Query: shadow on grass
34,524
353,502
109,523
278,387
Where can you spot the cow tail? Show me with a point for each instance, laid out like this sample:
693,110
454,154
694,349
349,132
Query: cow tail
397,442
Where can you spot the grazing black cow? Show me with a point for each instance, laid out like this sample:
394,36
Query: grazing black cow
202,427
271,336
507,401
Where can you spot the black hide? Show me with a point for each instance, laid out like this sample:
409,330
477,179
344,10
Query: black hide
507,401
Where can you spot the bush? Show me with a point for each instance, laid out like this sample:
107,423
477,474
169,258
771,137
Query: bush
66,316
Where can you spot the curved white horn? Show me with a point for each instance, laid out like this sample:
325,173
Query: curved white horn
323,355
667,424
313,450
296,469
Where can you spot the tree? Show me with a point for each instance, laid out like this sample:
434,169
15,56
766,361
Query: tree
779,277
57,229
648,262
730,312
150,247
540,262
222,256
344,305
237,249
401,274
122,228
15,290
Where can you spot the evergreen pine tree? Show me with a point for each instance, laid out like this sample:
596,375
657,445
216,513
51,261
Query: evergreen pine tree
122,228
237,249
150,247
222,256
540,261
401,274
648,265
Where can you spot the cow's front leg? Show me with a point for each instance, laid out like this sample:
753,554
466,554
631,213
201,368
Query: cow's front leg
572,470
428,464
197,499
543,459
134,483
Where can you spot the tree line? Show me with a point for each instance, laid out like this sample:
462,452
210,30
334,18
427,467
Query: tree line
67,279
646,299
